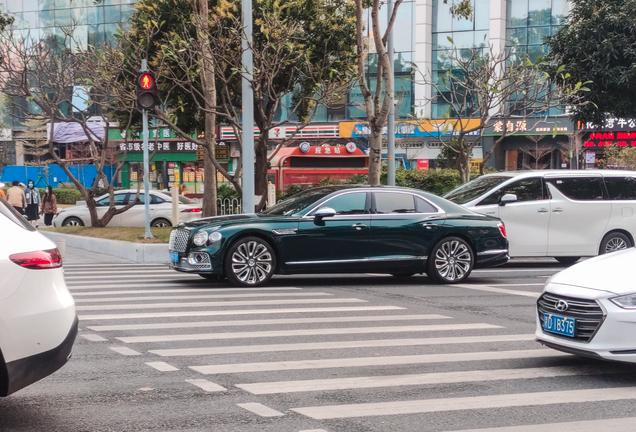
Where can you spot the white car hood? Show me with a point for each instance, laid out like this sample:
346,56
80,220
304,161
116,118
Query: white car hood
612,272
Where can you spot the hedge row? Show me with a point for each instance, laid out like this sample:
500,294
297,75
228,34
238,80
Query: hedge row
69,196
439,181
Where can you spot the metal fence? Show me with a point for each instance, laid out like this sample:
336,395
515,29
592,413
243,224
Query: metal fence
228,206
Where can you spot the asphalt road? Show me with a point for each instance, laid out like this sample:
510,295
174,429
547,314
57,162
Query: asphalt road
160,351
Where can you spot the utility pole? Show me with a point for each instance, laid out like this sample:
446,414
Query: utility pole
247,94
391,120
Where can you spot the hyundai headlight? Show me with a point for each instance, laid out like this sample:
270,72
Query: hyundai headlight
626,302
215,236
200,238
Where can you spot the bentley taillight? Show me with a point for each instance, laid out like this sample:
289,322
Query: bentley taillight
47,259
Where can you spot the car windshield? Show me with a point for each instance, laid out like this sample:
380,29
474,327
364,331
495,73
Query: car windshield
297,203
474,189
10,213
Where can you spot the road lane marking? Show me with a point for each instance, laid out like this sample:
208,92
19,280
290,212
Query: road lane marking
283,321
375,361
162,367
498,290
467,403
263,388
93,337
261,410
206,385
305,332
538,269
178,290
140,284
110,276
380,343
107,271
236,312
218,304
606,425
513,284
125,351
202,296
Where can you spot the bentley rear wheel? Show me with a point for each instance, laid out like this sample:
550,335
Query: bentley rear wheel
451,261
250,261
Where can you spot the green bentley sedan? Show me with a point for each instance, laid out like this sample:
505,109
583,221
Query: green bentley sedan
342,229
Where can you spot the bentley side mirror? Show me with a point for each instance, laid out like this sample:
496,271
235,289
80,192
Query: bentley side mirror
507,199
324,212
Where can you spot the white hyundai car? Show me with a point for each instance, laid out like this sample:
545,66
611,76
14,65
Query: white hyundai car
38,324
160,210
589,309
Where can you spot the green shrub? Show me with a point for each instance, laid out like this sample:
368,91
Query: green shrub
226,191
66,196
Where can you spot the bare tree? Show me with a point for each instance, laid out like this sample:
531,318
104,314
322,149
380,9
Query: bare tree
536,153
40,76
498,90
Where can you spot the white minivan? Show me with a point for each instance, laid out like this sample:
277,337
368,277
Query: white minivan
557,213
38,324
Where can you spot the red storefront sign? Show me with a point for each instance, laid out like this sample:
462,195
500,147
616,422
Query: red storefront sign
422,164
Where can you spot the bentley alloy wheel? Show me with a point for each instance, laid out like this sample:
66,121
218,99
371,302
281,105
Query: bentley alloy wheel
451,261
250,262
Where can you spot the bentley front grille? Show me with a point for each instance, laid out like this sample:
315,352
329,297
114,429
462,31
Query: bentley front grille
588,314
178,240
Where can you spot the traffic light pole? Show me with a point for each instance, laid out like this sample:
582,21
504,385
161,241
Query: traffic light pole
144,113
248,111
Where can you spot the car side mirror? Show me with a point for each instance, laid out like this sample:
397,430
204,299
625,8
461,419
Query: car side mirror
324,212
507,199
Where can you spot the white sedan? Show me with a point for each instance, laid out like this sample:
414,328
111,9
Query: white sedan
160,210
38,324
589,309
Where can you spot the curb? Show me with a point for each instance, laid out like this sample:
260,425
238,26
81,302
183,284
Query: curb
137,252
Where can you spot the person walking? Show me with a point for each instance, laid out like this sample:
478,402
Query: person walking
49,206
32,196
15,197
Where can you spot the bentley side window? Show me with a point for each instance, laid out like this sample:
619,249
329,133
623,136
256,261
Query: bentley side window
387,202
348,204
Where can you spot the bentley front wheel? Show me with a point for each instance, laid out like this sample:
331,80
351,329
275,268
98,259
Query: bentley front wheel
250,261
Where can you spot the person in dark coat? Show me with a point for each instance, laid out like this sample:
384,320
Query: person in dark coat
32,196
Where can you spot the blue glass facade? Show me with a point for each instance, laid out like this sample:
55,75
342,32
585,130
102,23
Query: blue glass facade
529,22
94,24
463,33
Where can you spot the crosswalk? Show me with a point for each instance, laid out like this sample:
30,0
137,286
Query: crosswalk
320,355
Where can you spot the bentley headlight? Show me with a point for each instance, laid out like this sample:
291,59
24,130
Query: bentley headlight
200,238
626,302
215,237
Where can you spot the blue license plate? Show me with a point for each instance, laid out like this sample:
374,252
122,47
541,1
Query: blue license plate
174,257
559,325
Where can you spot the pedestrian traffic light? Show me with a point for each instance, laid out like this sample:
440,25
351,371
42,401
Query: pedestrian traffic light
146,90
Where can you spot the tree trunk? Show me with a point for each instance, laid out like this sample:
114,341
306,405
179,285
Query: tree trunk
209,181
375,156
260,172
209,91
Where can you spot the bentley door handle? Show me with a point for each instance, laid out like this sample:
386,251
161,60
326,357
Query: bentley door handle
542,210
359,226
428,225
557,210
